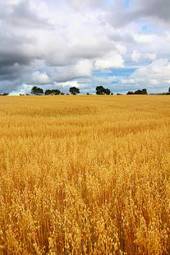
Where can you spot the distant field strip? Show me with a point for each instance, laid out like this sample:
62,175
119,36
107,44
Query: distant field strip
85,175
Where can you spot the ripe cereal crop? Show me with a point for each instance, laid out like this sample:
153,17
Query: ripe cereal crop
85,175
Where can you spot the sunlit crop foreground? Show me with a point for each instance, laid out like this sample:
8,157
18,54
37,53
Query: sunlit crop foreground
85,175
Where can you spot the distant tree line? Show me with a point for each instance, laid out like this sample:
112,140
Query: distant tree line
100,90
39,91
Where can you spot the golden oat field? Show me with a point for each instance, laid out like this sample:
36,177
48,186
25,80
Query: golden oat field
85,175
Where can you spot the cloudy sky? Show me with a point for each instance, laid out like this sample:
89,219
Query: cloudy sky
121,44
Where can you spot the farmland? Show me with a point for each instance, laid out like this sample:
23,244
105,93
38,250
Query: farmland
85,175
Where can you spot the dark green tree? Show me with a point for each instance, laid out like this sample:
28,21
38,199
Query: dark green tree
74,90
130,93
107,91
37,91
52,92
4,94
138,92
100,90
141,92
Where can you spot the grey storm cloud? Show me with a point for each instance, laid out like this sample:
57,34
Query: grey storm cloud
154,8
29,33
